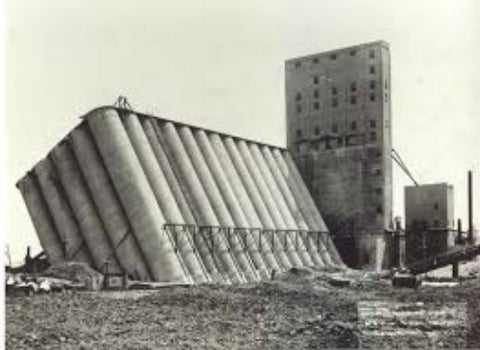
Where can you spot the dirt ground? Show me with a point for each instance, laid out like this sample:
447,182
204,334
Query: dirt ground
300,310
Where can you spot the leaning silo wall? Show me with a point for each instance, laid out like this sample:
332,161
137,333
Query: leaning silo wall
158,200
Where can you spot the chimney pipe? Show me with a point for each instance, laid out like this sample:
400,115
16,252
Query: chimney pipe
470,208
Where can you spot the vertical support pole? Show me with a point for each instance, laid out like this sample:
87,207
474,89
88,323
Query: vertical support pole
459,232
470,208
455,270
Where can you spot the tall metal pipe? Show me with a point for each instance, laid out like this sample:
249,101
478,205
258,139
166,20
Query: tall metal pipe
199,200
241,195
269,201
297,244
332,250
41,219
59,208
109,208
470,208
225,186
306,211
170,196
84,210
222,213
292,206
164,197
136,195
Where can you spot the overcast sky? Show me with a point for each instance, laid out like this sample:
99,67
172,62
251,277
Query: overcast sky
219,64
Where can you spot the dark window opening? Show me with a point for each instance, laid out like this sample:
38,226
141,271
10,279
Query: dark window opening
299,108
317,130
379,209
298,96
334,128
378,190
353,100
340,141
333,56
366,258
371,54
373,123
353,53
372,97
334,90
315,93
372,69
436,223
334,102
315,60
373,84
435,206
316,106
378,172
353,87
298,64
299,133
316,79
373,136
354,126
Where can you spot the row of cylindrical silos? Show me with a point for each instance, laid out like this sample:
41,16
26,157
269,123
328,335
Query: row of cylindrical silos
161,201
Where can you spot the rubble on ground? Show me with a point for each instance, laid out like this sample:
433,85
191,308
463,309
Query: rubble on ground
300,309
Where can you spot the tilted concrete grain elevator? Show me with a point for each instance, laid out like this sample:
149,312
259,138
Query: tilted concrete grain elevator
164,201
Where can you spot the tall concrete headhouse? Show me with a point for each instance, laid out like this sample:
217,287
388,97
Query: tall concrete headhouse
339,132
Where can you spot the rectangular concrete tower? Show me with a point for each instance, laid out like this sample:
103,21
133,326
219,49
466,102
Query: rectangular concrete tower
339,133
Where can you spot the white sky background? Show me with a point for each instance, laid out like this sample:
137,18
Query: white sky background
219,64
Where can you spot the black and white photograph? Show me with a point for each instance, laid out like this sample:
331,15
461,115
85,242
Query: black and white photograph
204,174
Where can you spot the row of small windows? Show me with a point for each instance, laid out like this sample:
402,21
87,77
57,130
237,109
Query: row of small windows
334,102
334,56
334,90
353,127
316,79
333,142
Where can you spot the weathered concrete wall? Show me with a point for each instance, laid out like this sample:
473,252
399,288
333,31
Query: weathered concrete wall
429,220
339,133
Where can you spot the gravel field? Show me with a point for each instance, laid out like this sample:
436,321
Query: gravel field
301,310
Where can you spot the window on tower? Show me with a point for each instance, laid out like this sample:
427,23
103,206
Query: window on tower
353,86
372,84
315,60
353,53
299,133
372,97
316,79
299,108
353,126
317,130
371,54
334,90
316,106
372,69
298,96
334,102
315,93
333,56
298,64
334,128
373,136
353,100
373,123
